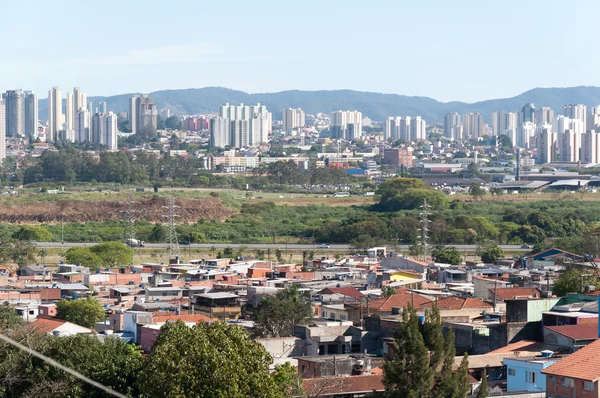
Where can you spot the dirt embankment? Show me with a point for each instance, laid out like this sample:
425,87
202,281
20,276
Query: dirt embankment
188,211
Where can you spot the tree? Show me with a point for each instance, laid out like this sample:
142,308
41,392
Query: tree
83,256
573,279
33,233
113,254
173,123
228,252
476,191
9,319
446,255
43,253
158,234
483,387
278,255
491,254
205,360
276,315
289,381
387,291
84,312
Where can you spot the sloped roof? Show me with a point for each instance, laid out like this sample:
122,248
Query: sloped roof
401,299
345,291
510,293
46,325
338,385
458,303
583,364
583,331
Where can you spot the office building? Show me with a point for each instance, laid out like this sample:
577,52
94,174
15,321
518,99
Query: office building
590,147
104,130
14,113
527,114
219,132
418,129
569,145
54,114
2,129
576,112
346,125
30,105
142,112
293,119
451,120
544,115
472,125
82,125
546,146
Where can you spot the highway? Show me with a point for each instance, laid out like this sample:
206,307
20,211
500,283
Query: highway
265,246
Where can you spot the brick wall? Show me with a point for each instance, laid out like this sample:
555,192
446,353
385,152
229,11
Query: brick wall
555,389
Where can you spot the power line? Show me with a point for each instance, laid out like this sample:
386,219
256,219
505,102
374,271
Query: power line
61,367
171,216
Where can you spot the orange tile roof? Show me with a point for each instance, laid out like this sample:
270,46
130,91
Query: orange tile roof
46,325
583,331
345,291
335,385
510,293
401,299
523,345
458,303
583,364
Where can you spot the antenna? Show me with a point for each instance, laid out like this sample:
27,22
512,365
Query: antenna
171,215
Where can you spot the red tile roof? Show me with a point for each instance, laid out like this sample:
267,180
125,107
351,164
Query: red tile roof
337,385
510,293
345,291
583,364
584,331
46,325
401,299
458,303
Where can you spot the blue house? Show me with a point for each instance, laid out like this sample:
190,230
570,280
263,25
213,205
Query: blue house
524,374
549,257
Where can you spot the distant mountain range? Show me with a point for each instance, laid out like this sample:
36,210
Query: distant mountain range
377,106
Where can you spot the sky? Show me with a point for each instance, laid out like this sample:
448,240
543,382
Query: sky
448,50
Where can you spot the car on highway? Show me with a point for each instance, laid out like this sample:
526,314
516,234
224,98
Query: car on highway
526,246
323,246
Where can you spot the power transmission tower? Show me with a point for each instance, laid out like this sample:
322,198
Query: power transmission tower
129,217
171,216
424,238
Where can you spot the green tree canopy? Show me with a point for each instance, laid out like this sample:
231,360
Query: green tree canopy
573,280
476,191
84,312
277,314
204,360
33,232
446,255
491,254
83,256
113,254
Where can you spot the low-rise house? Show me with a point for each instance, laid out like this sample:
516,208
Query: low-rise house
35,272
525,373
57,327
163,293
572,337
218,305
347,387
454,307
576,375
339,295
330,338
334,365
282,349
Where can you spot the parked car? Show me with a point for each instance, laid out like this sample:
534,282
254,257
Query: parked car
323,246
526,246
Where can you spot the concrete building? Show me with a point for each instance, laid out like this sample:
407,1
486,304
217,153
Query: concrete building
396,157
578,112
590,147
15,123
239,131
527,114
544,115
69,112
346,125
79,100
219,132
569,145
2,129
502,122
142,113
418,129
451,122
104,130
54,114
546,146
30,107
391,130
525,135
293,119
132,114
82,125
472,125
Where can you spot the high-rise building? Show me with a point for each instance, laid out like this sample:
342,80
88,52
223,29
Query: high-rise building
346,125
54,114
30,105
397,157
451,120
132,114
590,147
418,129
391,129
527,114
593,122
578,112
293,119
79,100
102,108
2,130
82,125
240,133
546,146
569,145
259,130
472,125
104,130
219,132
544,115
15,121
502,122
142,113
69,112
525,135
404,130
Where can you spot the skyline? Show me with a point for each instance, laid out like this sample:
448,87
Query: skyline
450,52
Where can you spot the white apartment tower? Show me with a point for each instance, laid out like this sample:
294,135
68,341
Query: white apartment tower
451,121
2,130
472,125
544,115
219,132
525,135
346,125
569,145
54,114
293,119
104,130
82,125
418,129
392,128
590,147
546,146
578,112
69,112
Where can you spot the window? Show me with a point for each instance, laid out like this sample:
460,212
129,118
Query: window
568,382
552,378
588,385
511,372
530,377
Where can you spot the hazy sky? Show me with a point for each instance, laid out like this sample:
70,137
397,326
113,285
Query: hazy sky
448,50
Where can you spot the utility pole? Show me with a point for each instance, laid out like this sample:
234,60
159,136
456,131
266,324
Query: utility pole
171,216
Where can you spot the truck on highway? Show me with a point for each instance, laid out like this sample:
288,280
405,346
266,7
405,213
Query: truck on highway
135,243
